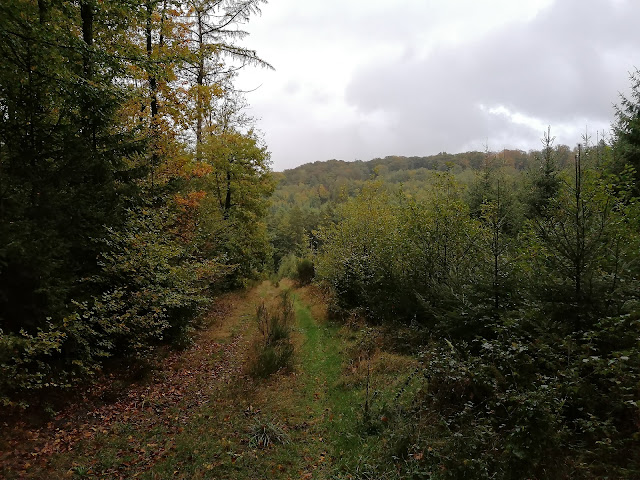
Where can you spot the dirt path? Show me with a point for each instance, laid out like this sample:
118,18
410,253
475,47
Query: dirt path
164,401
195,417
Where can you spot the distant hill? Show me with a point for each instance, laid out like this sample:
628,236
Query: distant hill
396,168
306,196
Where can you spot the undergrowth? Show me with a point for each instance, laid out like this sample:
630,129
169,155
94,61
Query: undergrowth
273,351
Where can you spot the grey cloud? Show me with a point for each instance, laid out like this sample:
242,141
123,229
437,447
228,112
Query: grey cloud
335,20
291,87
563,65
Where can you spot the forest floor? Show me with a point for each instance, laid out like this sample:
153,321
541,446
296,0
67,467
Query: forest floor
198,414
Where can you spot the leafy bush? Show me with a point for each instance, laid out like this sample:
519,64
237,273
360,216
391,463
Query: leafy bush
275,351
489,422
305,271
302,270
399,259
151,286
525,402
26,362
533,366
288,266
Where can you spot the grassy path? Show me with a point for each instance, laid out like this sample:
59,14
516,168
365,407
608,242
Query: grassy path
195,418
338,408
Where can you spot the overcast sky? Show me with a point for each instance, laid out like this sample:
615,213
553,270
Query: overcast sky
358,79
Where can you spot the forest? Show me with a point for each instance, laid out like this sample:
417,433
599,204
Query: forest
515,275
467,315
132,184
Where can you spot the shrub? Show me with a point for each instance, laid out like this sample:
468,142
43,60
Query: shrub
275,351
288,266
305,271
264,433
25,362
148,290
525,402
272,358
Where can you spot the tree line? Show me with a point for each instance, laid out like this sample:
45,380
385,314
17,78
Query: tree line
131,182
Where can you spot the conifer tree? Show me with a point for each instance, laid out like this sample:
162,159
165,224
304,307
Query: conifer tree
627,131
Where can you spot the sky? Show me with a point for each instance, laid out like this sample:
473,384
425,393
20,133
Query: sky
360,79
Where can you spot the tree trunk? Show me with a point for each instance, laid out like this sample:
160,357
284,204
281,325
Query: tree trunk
87,15
227,201
579,229
153,90
153,83
199,85
43,11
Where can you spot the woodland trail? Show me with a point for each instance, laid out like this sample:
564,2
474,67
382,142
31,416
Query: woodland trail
194,416
163,401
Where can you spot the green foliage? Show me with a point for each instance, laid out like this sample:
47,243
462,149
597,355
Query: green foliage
544,182
582,253
275,351
626,144
237,183
302,270
288,266
526,402
357,256
272,358
59,159
151,288
491,419
110,233
151,285
399,258
307,198
26,362
305,271
533,364
294,229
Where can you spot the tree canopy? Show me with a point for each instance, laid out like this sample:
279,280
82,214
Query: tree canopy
111,226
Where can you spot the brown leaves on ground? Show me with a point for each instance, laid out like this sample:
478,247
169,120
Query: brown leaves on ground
181,382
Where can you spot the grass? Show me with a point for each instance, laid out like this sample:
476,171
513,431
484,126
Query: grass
265,433
307,423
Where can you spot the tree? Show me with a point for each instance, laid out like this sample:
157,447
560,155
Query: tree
212,40
544,181
100,205
627,131
398,258
59,153
492,200
359,253
441,256
578,250
237,183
